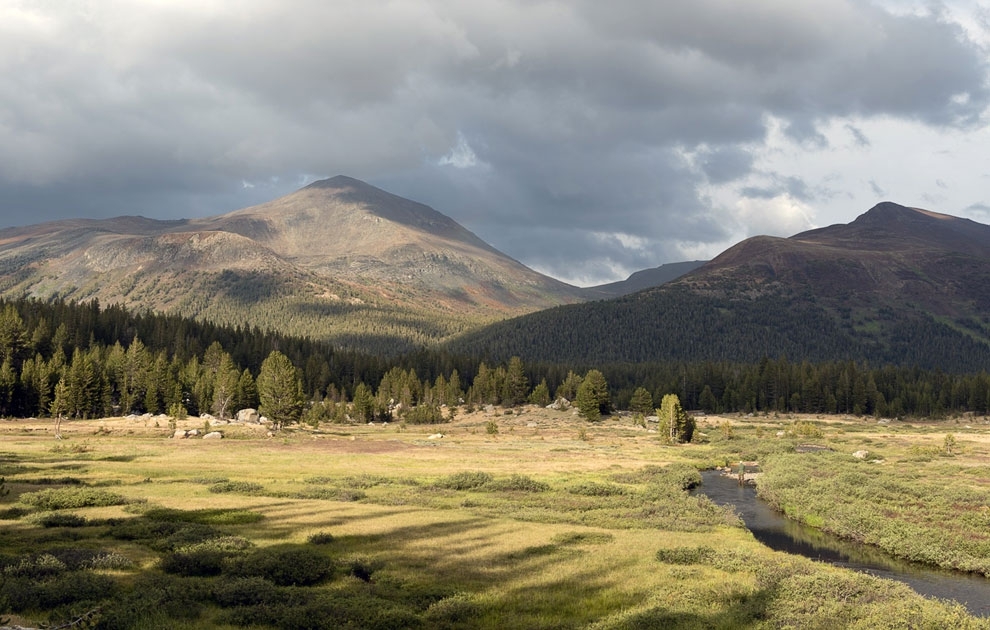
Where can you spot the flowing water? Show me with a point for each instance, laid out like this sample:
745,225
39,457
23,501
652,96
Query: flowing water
780,533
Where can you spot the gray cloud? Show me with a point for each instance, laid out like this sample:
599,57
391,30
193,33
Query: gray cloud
570,122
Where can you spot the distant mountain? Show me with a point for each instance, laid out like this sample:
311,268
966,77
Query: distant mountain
645,279
337,259
897,285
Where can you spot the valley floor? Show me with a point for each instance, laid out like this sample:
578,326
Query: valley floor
526,518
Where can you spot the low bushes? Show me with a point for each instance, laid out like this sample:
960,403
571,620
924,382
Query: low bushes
72,498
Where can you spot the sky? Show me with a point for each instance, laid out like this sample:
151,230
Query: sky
586,139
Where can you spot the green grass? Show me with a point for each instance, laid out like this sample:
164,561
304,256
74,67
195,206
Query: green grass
384,529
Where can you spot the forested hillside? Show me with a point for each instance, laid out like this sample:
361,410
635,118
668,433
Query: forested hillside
108,361
898,286
675,324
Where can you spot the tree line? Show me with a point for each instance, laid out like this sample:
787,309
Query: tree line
82,361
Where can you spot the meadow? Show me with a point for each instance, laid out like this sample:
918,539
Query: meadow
524,518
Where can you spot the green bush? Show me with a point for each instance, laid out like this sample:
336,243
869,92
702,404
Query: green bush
37,567
155,600
464,480
248,591
72,498
13,513
686,555
284,566
321,538
28,593
239,487
59,519
195,563
595,489
516,483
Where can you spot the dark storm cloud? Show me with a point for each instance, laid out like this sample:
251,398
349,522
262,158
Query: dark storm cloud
569,134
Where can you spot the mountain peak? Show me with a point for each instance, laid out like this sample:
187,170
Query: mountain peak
338,181
887,211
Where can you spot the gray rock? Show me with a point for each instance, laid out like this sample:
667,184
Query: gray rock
180,434
861,454
248,415
213,435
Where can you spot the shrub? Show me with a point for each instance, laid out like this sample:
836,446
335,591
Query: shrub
284,566
239,487
321,538
110,560
686,555
72,498
38,568
807,429
248,591
28,593
464,480
59,519
195,563
13,513
517,483
595,489
459,609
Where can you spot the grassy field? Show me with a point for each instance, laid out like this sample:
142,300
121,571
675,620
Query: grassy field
534,519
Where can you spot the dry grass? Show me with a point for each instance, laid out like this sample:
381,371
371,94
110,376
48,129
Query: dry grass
540,559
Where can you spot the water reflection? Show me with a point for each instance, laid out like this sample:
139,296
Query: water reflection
783,534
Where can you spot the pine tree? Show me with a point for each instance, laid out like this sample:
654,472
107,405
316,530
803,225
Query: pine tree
247,391
225,386
641,401
675,423
60,406
280,390
568,389
592,396
364,403
516,383
541,394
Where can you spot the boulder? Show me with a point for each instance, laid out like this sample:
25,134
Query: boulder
192,432
560,404
861,454
213,435
180,434
435,436
248,415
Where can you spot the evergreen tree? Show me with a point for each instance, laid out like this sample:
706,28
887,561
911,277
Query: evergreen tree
708,402
60,406
247,392
225,386
641,401
8,383
568,389
675,423
592,396
280,390
13,335
516,383
364,403
541,394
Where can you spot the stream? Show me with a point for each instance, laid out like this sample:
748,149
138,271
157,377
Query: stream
780,533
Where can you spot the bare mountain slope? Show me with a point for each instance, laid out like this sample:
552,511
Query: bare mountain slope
892,256
338,258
